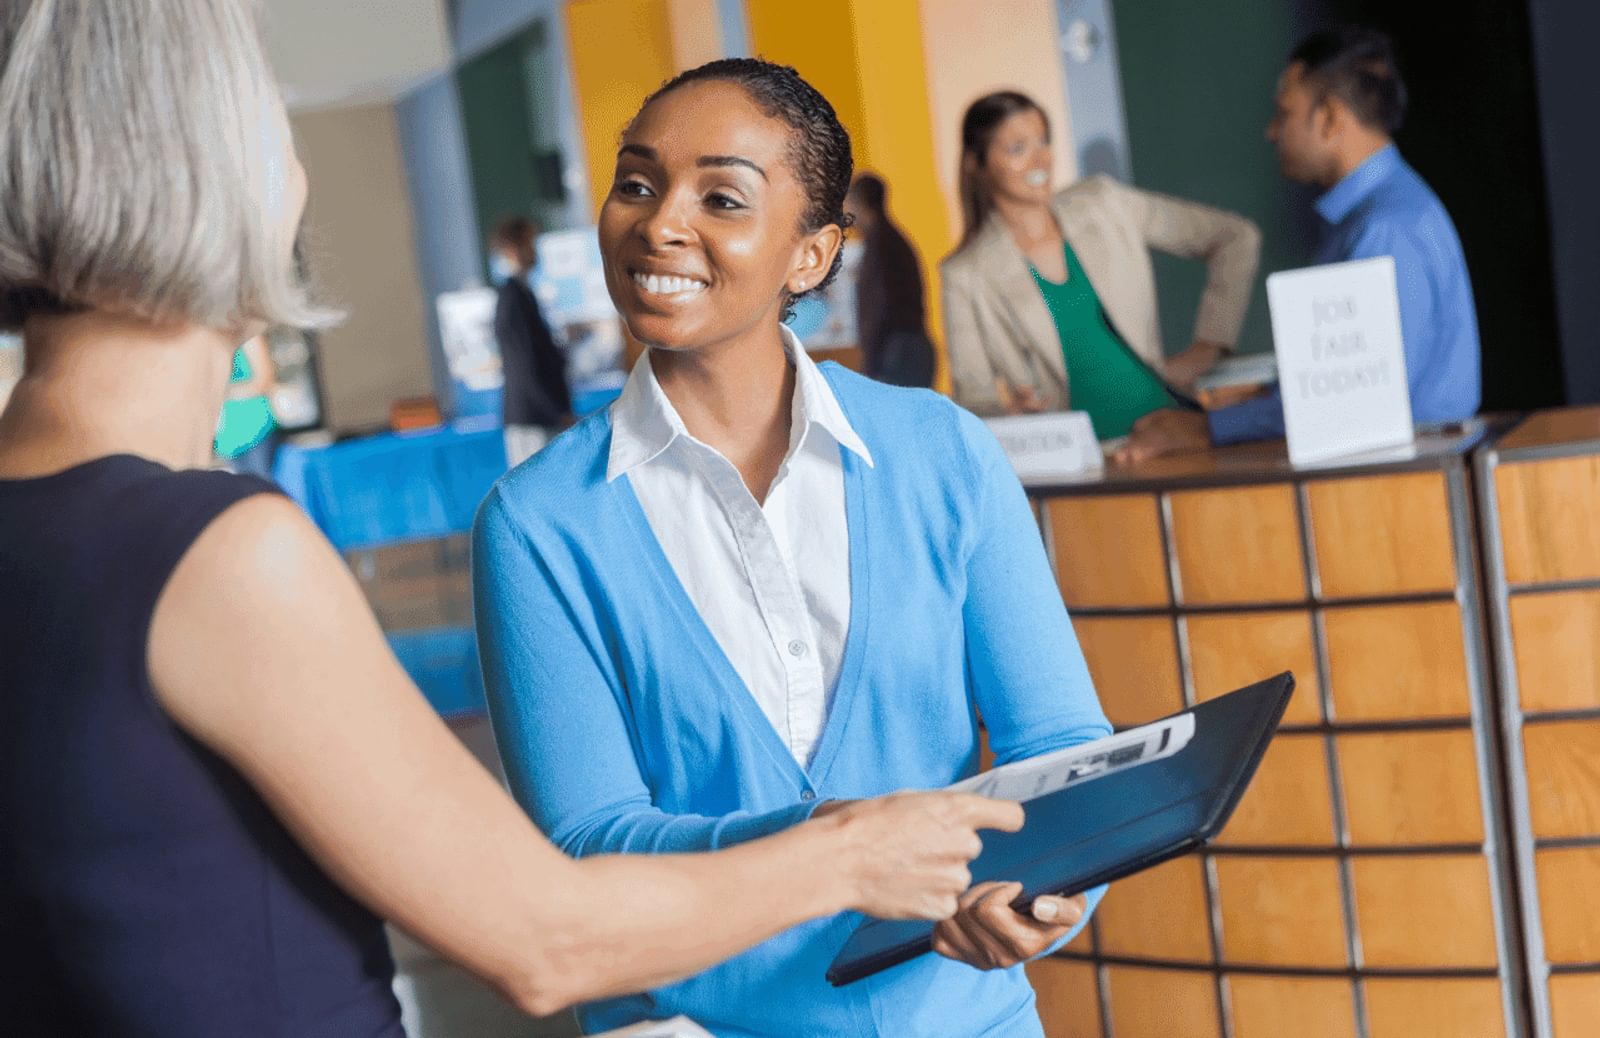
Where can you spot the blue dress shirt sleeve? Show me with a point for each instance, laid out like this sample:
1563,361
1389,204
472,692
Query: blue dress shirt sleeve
1259,418
1029,678
558,712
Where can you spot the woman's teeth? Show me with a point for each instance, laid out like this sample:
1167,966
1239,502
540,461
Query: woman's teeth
1036,178
668,286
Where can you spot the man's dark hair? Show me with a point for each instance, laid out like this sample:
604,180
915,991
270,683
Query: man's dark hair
1356,65
513,232
819,148
870,192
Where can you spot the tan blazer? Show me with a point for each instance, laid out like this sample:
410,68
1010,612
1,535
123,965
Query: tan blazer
998,327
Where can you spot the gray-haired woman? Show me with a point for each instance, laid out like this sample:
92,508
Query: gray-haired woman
212,771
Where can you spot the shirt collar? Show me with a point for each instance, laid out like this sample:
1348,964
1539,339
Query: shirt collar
644,423
1337,202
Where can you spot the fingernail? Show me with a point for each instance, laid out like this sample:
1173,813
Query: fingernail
1045,910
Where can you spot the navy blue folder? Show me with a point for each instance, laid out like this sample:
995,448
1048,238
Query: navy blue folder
1098,831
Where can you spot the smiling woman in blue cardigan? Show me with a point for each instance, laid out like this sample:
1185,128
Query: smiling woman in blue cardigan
756,588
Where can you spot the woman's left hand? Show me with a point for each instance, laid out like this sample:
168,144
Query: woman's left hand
1187,367
986,932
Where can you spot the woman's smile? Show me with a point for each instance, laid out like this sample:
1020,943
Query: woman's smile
672,289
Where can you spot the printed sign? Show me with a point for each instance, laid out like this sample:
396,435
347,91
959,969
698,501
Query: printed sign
1341,361
466,324
570,283
1046,448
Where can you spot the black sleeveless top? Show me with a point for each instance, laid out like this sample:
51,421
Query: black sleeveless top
145,889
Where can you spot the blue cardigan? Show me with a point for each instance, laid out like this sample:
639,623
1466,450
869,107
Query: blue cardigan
624,728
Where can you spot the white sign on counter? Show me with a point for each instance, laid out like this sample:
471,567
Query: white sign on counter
1341,361
1046,448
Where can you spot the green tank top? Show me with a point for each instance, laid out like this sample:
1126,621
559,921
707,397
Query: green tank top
1106,378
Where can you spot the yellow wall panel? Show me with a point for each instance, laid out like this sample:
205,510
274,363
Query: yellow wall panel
815,38
621,51
866,57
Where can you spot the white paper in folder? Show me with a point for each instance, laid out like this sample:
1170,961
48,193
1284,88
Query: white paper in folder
677,1027
1047,773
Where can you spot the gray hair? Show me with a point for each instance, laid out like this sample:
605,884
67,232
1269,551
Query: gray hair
139,170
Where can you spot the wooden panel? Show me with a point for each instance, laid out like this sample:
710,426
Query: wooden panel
1558,425
1432,911
1083,943
1397,662
1574,1004
1281,911
1435,1009
1158,914
1568,879
1134,663
1147,1003
1238,546
1108,550
1411,788
1306,1007
1069,998
1290,800
1237,649
1382,535
1563,763
1548,512
1557,638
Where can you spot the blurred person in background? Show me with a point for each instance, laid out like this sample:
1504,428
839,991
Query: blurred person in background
1338,106
891,321
214,775
537,399
1050,299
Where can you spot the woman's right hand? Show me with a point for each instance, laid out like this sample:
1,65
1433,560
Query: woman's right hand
1019,399
905,856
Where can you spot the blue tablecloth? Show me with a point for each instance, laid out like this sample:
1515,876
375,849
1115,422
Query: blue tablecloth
396,487
443,662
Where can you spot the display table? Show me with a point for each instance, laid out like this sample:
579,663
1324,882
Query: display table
1539,489
1362,886
396,487
399,506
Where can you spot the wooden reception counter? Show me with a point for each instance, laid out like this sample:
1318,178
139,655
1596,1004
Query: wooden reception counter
1362,887
1539,492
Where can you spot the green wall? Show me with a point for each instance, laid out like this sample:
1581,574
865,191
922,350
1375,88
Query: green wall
1198,82
507,110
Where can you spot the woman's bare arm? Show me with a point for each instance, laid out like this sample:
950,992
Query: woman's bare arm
264,649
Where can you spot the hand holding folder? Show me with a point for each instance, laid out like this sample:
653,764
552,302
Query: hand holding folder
1103,810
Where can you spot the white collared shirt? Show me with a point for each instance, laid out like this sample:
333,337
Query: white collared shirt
771,581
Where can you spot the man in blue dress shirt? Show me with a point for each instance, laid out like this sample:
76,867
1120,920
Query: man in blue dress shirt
1338,106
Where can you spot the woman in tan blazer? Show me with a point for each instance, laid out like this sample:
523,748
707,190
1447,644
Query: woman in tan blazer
1013,313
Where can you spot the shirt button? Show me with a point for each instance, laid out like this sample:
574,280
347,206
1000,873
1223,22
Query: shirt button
807,796
797,648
